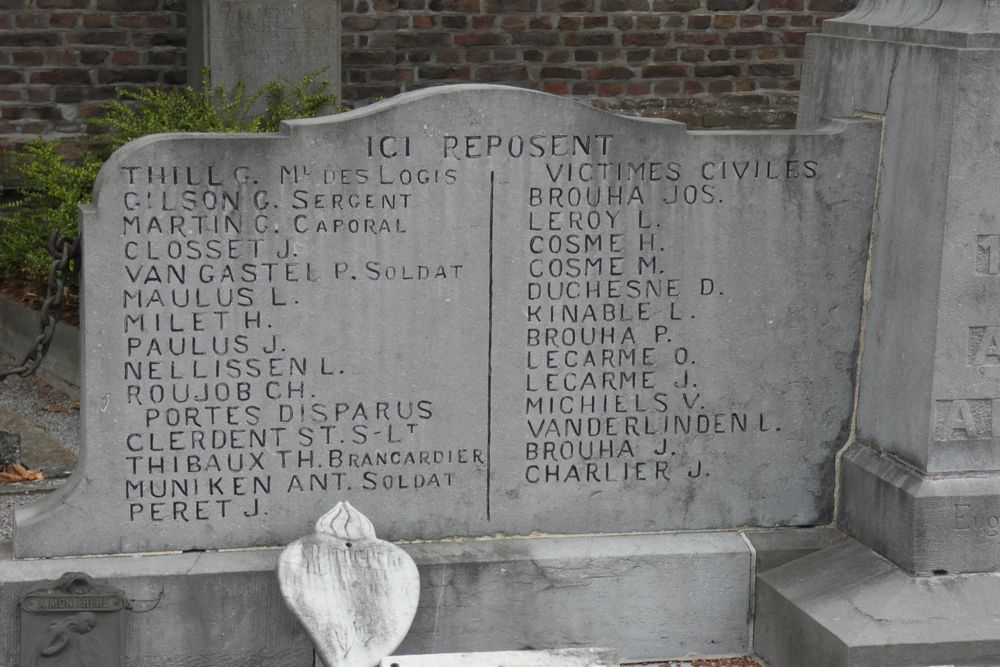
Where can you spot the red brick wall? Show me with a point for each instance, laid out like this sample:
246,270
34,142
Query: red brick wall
625,54
60,58
708,62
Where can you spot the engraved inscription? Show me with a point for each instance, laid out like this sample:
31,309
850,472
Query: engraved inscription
234,416
967,419
988,254
984,346
72,603
231,415
612,389
977,520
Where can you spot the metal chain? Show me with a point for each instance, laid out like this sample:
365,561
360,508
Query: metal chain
65,251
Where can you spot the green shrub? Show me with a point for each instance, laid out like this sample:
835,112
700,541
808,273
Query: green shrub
53,186
143,111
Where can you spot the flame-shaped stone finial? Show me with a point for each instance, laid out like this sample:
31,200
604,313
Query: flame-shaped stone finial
346,523
353,593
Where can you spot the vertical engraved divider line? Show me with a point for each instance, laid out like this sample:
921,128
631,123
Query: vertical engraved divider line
489,364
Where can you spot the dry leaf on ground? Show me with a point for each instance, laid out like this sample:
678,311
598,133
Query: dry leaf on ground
72,407
15,472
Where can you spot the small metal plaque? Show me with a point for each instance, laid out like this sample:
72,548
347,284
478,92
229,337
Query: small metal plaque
72,622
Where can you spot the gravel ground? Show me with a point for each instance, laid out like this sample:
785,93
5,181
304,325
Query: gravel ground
8,501
47,408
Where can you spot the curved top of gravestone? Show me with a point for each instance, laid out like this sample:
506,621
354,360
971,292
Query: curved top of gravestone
530,99
954,23
437,100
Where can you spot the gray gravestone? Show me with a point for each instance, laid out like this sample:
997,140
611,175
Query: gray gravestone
473,310
72,622
257,41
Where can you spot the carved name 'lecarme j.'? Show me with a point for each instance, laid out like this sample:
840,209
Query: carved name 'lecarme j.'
480,316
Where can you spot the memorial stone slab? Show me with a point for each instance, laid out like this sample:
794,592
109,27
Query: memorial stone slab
581,657
257,41
473,311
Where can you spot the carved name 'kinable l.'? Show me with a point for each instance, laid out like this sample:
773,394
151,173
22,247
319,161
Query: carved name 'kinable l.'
474,310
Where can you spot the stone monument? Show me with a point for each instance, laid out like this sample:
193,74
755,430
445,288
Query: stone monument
556,320
576,361
920,480
572,355
257,41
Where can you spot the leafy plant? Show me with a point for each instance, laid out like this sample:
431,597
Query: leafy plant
142,111
52,186
55,187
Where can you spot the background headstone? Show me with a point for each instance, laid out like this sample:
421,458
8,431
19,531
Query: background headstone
257,41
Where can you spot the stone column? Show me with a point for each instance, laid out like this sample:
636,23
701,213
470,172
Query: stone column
257,41
920,481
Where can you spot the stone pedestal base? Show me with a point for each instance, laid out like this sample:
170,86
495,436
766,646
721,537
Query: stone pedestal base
845,606
648,596
926,524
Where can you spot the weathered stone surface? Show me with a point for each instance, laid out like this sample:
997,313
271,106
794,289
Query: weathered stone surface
647,596
777,547
583,657
219,609
225,608
934,266
847,607
354,593
930,380
920,485
924,523
474,310
954,23
73,621
257,41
